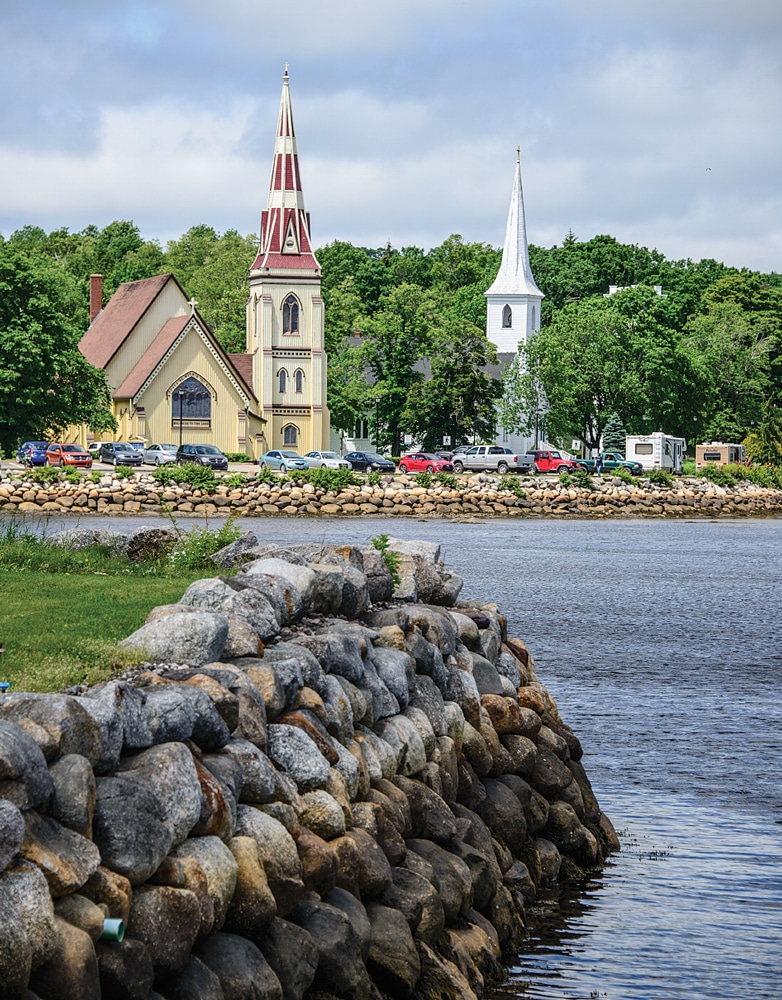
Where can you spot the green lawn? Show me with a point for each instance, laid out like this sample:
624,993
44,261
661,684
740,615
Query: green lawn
60,629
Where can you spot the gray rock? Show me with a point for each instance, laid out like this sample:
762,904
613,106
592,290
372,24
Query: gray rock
11,832
257,774
426,696
327,593
169,713
506,667
322,814
300,577
418,901
436,625
291,750
130,829
293,956
277,853
236,552
428,551
405,586
397,671
220,868
347,764
243,972
128,703
283,596
403,737
24,778
73,802
167,921
377,694
210,731
311,670
355,594
486,677
249,604
25,892
504,815
393,958
57,722
340,942
430,816
196,638
337,653
65,857
385,752
447,873
125,969
76,539
72,970
169,774
380,584
148,544
195,982
15,950
420,720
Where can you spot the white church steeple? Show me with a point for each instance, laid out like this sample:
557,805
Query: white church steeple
513,300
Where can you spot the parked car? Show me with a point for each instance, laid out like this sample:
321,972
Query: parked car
612,460
283,459
369,461
68,454
32,453
326,460
159,454
424,461
94,449
491,458
137,445
202,454
552,461
119,453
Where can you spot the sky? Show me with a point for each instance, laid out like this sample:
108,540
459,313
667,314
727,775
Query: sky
655,122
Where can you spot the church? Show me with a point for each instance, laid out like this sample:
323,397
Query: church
170,379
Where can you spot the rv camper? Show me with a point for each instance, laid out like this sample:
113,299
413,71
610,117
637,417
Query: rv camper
717,453
656,451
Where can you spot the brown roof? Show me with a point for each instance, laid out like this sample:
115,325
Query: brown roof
122,313
243,363
153,355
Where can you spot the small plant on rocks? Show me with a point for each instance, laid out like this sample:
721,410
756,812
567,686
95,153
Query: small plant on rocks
510,482
200,477
72,475
45,475
391,559
237,479
373,478
123,472
565,479
194,547
623,473
582,478
266,475
327,479
423,479
447,479
96,476
659,477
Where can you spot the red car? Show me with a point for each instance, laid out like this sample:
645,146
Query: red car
552,461
68,454
422,461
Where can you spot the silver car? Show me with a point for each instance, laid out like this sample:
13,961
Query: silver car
160,454
326,460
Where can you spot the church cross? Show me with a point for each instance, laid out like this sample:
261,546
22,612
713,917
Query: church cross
192,303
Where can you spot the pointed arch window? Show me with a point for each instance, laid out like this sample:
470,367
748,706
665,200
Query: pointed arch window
507,318
282,375
534,318
298,380
290,316
290,436
191,400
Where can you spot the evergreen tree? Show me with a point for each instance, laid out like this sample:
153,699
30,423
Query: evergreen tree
614,435
764,445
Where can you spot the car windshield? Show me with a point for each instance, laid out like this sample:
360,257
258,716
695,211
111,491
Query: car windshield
207,449
290,454
72,447
40,445
427,455
329,454
122,446
373,457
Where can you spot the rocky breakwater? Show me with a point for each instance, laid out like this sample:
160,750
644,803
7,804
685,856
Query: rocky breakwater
312,788
482,495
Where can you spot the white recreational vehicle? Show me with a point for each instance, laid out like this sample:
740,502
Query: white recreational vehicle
656,451
719,453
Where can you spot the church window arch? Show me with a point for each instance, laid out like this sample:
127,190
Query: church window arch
290,315
534,324
282,375
191,400
290,436
507,317
298,380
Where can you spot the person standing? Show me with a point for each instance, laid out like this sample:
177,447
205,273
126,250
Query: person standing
599,464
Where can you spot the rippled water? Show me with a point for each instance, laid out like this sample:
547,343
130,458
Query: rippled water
662,643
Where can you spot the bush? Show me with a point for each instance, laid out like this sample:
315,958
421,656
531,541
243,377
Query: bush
200,477
447,479
391,559
72,475
659,477
565,479
423,479
266,475
237,479
327,479
45,475
510,481
721,475
623,473
237,456
122,472
688,467
95,476
194,547
582,478
373,478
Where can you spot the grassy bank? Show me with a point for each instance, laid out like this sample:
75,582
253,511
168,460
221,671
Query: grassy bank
63,611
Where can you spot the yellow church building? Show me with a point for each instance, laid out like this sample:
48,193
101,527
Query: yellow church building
171,380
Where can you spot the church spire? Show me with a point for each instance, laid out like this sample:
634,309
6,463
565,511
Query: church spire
515,275
285,223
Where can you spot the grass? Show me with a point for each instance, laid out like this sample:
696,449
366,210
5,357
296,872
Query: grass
62,611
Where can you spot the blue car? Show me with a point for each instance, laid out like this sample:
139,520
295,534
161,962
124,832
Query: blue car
283,459
32,453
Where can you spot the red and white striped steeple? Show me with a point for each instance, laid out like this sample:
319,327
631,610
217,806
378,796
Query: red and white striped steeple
285,224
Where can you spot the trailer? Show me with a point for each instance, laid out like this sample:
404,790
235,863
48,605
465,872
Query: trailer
656,451
719,453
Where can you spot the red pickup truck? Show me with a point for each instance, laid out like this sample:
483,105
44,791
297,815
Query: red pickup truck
551,461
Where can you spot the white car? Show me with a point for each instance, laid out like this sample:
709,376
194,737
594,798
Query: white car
160,454
325,460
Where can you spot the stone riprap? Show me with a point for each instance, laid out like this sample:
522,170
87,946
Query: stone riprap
480,495
310,787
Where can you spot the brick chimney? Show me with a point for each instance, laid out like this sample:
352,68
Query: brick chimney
96,296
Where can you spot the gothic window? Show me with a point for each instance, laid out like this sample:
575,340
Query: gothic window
507,318
191,401
533,318
290,315
298,380
290,436
283,377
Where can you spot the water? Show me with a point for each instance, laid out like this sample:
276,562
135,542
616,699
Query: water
662,643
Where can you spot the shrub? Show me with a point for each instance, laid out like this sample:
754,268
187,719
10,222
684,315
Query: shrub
447,479
122,472
659,477
688,467
565,479
266,475
582,478
391,559
373,478
423,479
510,481
45,474
194,547
623,473
72,474
237,456
200,477
95,476
237,479
327,479
721,475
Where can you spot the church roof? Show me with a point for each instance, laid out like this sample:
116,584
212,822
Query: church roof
515,275
243,363
152,357
120,317
285,223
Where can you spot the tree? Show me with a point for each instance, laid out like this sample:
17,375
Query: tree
614,435
764,445
349,392
45,382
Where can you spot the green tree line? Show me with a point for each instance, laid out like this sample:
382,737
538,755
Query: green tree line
405,334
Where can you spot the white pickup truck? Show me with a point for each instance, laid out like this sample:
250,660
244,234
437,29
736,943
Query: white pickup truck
491,458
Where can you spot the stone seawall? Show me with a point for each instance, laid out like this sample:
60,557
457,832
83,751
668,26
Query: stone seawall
481,496
309,788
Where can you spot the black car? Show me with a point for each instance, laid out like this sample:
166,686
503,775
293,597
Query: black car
369,461
119,453
202,454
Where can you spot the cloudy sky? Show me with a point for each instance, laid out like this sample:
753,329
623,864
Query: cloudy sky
657,122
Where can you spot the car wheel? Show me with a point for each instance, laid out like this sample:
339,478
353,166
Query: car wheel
562,468
62,464
458,467
536,468
283,467
430,468
323,465
262,465
403,468
502,468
